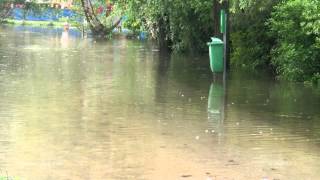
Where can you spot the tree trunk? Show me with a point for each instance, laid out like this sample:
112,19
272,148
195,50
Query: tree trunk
162,37
97,28
216,19
225,5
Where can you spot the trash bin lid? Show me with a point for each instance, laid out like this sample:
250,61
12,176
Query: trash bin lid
215,40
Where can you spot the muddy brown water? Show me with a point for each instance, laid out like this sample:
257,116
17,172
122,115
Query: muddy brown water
73,108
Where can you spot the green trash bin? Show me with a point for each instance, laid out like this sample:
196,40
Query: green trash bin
216,55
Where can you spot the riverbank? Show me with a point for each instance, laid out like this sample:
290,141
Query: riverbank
76,26
75,29
37,23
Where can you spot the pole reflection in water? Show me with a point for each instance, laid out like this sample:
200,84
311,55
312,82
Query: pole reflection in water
216,107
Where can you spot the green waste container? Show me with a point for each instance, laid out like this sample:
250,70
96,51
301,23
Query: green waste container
216,54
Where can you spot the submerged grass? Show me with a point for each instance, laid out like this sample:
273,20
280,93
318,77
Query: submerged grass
7,177
36,23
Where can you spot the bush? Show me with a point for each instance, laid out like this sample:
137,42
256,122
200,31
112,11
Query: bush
251,42
184,25
296,25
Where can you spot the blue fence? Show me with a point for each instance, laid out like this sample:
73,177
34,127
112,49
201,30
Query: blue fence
49,14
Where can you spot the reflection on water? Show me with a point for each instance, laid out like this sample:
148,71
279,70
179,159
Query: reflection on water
121,110
64,39
216,107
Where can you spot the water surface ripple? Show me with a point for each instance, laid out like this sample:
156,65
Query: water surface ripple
74,108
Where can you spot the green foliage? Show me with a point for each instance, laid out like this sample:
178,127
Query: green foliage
4,8
191,27
35,8
184,25
251,43
284,35
6,177
296,25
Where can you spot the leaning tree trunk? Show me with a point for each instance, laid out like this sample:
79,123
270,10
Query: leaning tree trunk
97,28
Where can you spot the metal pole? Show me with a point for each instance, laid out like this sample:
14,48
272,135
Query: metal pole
225,51
226,58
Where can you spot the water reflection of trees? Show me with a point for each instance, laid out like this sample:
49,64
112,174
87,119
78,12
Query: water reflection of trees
261,101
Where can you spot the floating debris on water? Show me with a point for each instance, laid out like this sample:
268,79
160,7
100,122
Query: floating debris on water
186,176
232,163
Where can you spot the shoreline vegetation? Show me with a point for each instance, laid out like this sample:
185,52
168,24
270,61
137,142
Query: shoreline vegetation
283,36
36,23
5,176
73,25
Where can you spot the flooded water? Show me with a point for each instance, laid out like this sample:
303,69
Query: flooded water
74,108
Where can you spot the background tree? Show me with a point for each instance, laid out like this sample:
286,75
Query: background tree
5,8
251,43
296,26
95,24
180,25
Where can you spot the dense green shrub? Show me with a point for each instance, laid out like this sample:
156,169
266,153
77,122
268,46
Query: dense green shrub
296,26
251,43
184,25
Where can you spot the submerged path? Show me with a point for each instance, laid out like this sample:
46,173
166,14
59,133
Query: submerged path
74,108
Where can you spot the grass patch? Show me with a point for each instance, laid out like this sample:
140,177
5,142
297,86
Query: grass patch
8,178
36,23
